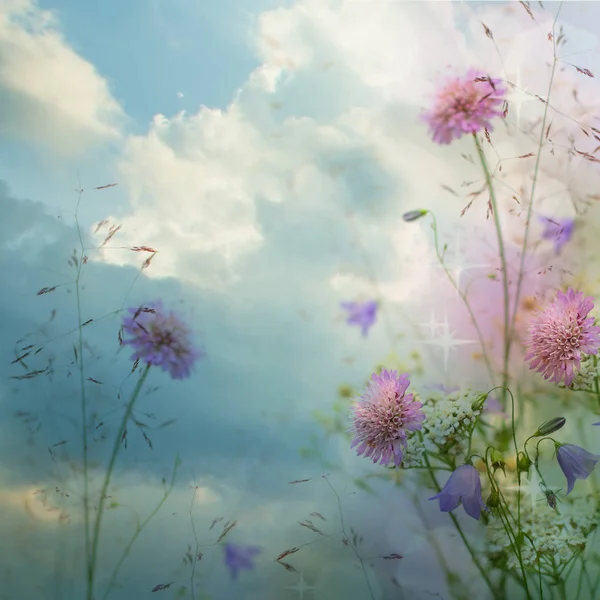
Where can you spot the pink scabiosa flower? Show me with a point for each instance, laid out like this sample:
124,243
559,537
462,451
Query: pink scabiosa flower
160,339
463,486
383,416
575,462
559,336
465,105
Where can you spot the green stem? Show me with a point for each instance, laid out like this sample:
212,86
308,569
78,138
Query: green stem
485,576
111,465
463,297
84,436
139,528
535,178
488,180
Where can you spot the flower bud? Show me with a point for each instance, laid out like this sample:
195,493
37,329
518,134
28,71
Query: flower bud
523,463
479,402
497,459
414,215
550,426
493,499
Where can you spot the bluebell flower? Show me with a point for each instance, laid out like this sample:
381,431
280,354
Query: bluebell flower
463,486
559,230
240,557
361,313
414,215
575,462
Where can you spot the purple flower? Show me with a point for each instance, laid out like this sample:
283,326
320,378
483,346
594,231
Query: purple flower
160,339
598,423
414,215
240,557
559,230
463,486
560,335
382,417
575,462
464,105
361,313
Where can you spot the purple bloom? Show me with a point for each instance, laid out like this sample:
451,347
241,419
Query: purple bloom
361,313
575,462
240,557
598,423
560,335
559,230
383,416
463,486
160,339
464,105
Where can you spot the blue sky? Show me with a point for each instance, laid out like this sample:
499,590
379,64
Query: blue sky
273,187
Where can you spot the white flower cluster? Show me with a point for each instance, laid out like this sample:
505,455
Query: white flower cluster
557,537
413,453
584,378
448,418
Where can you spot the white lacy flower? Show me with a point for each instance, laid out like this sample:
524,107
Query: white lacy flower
413,453
557,537
584,378
448,418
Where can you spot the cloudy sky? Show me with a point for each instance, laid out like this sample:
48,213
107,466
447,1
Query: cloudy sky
267,150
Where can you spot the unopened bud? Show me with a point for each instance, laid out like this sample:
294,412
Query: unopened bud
414,215
523,463
478,404
493,499
550,426
497,459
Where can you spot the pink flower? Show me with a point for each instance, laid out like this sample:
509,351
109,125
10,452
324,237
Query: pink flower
560,335
464,105
383,416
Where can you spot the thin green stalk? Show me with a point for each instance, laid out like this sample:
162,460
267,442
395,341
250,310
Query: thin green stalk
535,177
463,297
481,570
84,438
488,180
139,528
111,465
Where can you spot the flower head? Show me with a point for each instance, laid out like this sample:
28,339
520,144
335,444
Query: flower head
240,557
160,339
465,105
560,335
463,486
361,313
383,416
414,215
575,462
559,230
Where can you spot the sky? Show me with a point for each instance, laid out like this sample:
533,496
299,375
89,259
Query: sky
267,150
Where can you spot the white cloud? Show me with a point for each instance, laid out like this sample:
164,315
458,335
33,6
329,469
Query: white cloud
328,126
50,94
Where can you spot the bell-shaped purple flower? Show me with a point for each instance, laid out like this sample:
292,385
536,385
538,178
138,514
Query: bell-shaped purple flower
240,557
463,486
361,313
575,462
